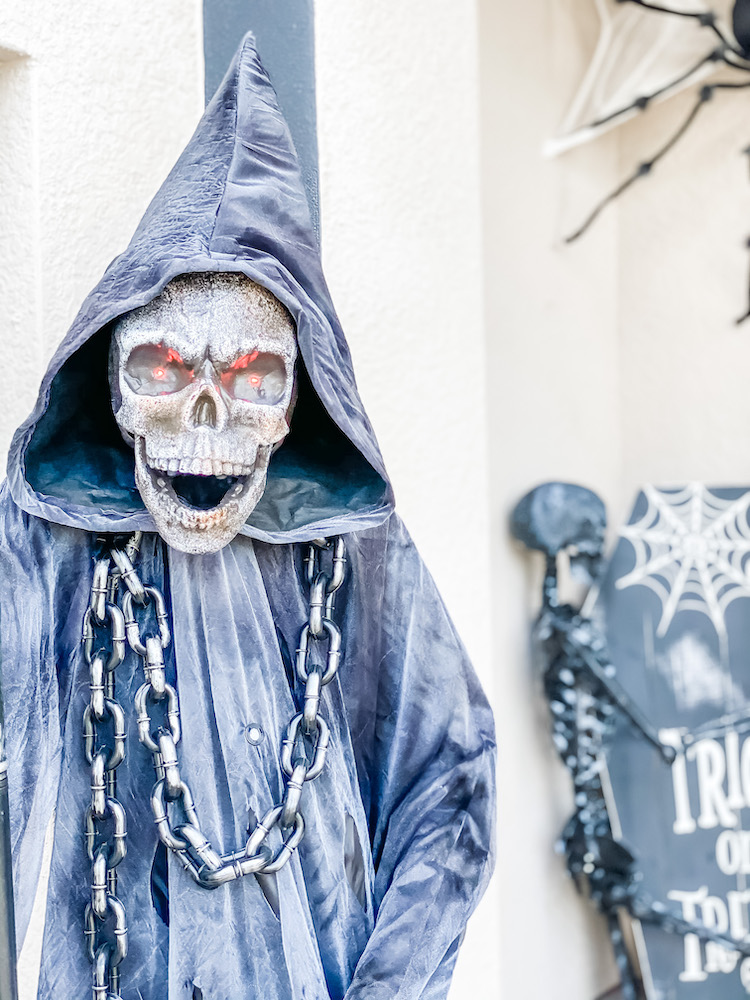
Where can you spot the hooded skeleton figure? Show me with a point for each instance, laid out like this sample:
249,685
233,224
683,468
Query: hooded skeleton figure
231,434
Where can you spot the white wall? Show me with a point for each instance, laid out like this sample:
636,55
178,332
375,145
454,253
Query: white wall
96,103
398,126
85,143
682,281
397,92
19,229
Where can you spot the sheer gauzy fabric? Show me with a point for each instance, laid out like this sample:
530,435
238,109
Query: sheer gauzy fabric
639,52
399,826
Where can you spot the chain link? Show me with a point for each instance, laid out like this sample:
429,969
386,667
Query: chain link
105,822
157,706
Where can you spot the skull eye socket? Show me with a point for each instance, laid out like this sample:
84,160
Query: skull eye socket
257,378
155,370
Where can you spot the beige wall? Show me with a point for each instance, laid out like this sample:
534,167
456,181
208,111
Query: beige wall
397,92
684,364
553,360
613,363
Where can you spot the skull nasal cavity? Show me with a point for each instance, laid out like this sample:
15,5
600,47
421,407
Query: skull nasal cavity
204,413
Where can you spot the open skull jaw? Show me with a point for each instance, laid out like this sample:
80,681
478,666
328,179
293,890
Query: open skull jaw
198,529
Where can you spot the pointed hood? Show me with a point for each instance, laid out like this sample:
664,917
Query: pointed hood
234,201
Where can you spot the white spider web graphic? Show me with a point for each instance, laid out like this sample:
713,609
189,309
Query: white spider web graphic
692,549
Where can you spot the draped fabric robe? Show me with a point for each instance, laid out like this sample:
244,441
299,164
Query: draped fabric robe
399,825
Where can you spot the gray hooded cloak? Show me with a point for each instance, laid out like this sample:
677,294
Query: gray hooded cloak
399,825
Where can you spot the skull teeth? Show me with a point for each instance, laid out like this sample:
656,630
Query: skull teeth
201,520
193,517
199,466
191,529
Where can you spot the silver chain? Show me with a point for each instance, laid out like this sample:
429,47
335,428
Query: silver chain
303,750
105,824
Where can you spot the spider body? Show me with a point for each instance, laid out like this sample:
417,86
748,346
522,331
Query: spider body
741,26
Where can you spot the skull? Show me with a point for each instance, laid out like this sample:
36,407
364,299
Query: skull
202,382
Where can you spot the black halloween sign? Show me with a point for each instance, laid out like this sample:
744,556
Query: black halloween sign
674,605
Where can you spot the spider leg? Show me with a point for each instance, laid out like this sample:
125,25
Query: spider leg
706,19
743,67
643,169
727,85
746,314
642,102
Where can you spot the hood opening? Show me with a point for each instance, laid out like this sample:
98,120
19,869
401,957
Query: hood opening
77,456
234,201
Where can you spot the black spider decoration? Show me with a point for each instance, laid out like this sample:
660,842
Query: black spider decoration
730,51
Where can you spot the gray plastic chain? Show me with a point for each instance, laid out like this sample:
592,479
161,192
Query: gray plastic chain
302,757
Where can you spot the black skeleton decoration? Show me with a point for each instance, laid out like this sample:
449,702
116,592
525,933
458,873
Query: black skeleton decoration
586,703
727,48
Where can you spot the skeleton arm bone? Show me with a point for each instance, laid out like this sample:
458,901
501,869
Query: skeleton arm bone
618,696
641,102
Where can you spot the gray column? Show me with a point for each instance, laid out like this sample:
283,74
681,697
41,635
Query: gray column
286,43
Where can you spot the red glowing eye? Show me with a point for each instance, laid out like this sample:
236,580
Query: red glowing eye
155,370
259,377
245,360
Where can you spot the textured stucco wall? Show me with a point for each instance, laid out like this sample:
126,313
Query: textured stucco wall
96,102
92,117
398,134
